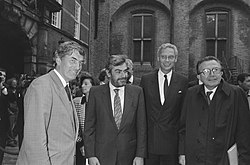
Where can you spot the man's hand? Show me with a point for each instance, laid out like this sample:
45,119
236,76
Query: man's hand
94,161
182,159
138,161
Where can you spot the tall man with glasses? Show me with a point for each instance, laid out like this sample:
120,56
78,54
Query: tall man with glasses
214,118
50,119
164,91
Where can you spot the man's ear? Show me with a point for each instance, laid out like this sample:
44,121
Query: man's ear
108,73
199,77
58,61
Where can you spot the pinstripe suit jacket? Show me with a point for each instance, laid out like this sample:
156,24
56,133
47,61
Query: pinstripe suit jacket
50,124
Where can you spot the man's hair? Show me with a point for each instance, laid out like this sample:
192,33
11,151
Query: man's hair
165,46
67,48
115,60
102,75
3,70
207,58
241,77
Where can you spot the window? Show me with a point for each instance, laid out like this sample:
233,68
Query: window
142,34
217,38
56,17
77,19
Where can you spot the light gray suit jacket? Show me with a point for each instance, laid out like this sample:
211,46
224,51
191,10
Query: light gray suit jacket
50,124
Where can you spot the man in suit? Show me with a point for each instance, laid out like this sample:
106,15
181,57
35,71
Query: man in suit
214,117
115,123
50,119
164,91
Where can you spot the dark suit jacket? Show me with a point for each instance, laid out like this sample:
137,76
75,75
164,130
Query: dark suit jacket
207,132
163,120
102,139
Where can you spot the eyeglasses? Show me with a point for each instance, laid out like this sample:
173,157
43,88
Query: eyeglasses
169,58
2,74
207,71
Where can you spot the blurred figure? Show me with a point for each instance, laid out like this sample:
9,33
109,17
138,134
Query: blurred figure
103,77
214,118
131,78
86,82
4,116
12,98
115,123
243,80
50,120
164,91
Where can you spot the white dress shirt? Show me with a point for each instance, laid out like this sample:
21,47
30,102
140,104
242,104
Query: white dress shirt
112,95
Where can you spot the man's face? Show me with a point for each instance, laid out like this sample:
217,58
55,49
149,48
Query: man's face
70,66
118,75
210,74
246,84
3,76
167,59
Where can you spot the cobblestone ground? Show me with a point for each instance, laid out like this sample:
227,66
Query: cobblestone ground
8,158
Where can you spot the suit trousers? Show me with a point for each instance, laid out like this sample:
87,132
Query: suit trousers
155,159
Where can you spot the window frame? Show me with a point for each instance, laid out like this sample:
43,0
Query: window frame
57,22
142,39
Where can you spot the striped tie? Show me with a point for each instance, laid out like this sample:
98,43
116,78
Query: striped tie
117,108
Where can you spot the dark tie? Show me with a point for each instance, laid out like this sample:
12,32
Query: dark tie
208,96
68,92
117,108
165,86
83,100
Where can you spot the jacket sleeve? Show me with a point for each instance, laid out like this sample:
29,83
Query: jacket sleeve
89,126
37,109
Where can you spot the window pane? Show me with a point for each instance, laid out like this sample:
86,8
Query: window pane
210,28
147,27
210,48
137,51
147,51
137,25
221,50
222,25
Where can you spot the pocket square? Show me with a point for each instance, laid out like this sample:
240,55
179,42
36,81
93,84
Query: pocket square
179,91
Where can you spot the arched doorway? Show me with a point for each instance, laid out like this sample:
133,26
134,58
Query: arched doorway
14,45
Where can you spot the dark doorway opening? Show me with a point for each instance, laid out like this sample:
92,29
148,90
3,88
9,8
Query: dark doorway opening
14,46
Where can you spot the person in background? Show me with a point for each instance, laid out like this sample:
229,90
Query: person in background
164,91
12,98
243,80
131,78
103,77
4,115
50,120
115,123
214,117
86,82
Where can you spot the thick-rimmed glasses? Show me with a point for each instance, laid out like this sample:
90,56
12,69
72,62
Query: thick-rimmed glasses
207,71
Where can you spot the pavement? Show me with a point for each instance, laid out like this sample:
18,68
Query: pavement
8,158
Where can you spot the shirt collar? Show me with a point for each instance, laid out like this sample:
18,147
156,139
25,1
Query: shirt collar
112,87
61,78
207,90
161,74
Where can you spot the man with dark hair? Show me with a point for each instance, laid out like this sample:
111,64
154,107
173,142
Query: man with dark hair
243,80
115,122
214,118
164,91
50,119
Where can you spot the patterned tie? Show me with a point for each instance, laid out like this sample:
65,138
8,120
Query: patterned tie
68,91
165,86
208,96
117,108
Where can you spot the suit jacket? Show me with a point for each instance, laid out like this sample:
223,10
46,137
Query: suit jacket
207,132
102,139
50,124
163,120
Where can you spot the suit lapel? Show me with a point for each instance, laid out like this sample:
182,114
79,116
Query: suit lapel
63,96
155,87
128,95
107,103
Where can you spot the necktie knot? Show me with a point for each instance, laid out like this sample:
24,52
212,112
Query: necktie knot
208,96
116,91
